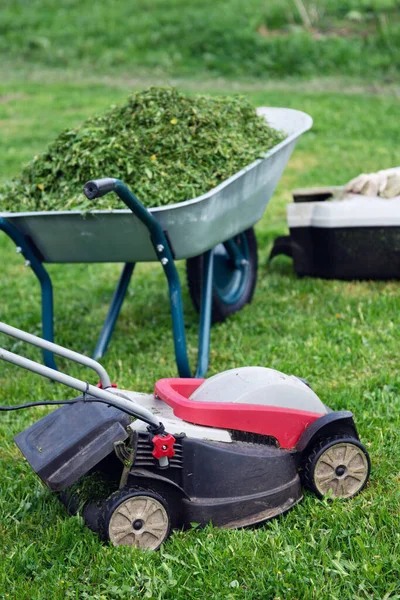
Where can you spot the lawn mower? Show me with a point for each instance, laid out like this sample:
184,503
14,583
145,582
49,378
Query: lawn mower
234,449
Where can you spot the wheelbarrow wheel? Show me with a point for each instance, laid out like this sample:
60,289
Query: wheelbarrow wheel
136,517
339,465
233,284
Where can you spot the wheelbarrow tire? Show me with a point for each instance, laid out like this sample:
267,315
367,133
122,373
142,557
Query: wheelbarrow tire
136,517
233,288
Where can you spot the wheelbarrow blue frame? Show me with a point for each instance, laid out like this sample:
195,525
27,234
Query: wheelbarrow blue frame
165,257
29,251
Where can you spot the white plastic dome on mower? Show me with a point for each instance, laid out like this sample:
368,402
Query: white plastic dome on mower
261,386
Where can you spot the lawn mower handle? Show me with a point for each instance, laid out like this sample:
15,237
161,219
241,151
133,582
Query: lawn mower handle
64,352
102,395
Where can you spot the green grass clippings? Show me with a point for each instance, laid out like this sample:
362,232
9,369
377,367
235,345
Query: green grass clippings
93,487
166,146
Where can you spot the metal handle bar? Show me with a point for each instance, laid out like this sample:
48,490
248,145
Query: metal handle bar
70,354
122,403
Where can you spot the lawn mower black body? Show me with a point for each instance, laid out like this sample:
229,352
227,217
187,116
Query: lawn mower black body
230,484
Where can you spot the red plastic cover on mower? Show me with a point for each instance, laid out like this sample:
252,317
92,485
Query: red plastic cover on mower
284,424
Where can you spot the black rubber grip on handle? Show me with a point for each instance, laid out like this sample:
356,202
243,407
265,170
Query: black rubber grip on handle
98,187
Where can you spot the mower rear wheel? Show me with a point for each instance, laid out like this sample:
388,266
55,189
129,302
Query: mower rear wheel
337,464
234,281
137,517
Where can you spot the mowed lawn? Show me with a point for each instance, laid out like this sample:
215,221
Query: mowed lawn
342,336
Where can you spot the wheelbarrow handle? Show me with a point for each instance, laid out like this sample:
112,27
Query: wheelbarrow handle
99,187
163,252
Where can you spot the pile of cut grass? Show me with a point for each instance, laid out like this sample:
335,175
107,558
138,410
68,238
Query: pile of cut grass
166,146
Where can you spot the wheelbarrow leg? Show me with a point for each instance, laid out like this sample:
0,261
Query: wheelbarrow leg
27,250
205,314
47,312
234,253
114,310
175,300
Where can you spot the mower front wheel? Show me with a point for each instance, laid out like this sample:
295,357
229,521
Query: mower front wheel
137,517
338,464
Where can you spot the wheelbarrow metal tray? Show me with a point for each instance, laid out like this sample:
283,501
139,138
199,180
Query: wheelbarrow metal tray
193,226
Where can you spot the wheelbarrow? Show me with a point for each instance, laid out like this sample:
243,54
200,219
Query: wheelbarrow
213,233
234,449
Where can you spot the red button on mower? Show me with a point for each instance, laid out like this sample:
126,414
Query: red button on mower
163,448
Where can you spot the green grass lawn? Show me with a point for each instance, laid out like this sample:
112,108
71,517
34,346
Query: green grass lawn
230,38
342,336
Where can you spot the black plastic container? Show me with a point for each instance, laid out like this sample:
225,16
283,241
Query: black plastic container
354,238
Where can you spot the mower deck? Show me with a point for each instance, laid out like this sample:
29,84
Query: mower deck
211,478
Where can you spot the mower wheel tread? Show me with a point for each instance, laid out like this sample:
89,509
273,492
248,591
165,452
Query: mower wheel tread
321,448
124,495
